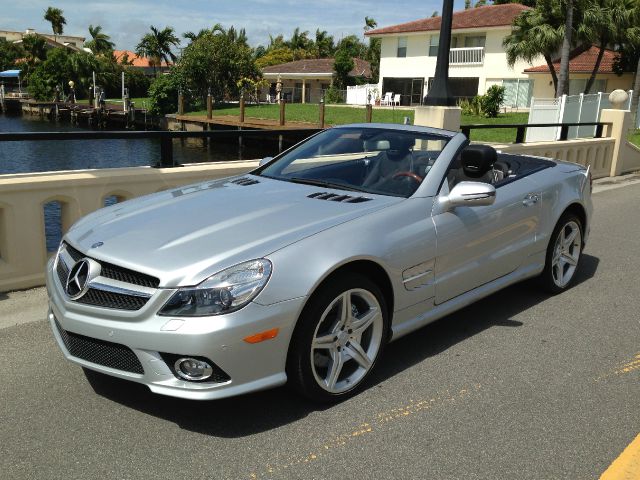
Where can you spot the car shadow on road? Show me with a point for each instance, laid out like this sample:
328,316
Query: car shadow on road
263,411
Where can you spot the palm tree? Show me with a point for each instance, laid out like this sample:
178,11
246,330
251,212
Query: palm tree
324,44
57,20
156,46
605,23
100,43
563,74
536,32
192,36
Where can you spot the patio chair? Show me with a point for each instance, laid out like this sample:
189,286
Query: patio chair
388,97
396,99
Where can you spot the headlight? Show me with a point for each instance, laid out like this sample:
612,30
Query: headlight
224,292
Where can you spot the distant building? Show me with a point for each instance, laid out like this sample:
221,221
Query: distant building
142,63
581,63
477,59
304,81
53,41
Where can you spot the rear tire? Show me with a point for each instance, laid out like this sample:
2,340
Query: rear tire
339,338
563,254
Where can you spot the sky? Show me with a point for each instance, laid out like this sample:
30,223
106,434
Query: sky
126,21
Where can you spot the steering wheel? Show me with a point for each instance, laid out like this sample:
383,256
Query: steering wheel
411,175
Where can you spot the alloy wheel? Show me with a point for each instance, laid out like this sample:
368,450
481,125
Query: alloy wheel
566,254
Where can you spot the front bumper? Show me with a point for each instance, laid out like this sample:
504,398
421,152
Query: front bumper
251,367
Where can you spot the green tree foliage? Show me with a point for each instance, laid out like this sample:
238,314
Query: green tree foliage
492,101
156,46
163,93
342,66
100,43
324,44
9,53
56,18
528,3
373,52
353,46
215,63
275,57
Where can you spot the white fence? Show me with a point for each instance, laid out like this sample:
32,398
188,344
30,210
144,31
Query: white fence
567,109
359,94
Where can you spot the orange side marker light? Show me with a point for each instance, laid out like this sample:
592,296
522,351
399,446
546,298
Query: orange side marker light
262,336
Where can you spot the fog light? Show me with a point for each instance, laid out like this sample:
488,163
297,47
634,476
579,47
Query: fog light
193,369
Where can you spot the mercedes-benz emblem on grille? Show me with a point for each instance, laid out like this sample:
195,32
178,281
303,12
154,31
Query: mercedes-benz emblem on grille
80,276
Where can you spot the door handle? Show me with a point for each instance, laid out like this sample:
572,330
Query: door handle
530,199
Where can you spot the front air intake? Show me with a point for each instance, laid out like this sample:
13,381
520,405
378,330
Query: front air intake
334,197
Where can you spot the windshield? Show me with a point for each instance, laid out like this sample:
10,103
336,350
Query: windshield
373,160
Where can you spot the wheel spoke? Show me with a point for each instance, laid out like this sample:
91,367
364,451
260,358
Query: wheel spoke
569,240
345,312
569,259
337,362
360,325
356,352
323,341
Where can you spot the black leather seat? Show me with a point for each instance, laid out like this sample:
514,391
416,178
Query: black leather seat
476,164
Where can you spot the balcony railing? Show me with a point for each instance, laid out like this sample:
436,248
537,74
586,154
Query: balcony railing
466,56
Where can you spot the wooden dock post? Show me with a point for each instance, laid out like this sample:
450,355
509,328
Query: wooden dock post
209,105
322,112
242,108
369,112
180,104
282,112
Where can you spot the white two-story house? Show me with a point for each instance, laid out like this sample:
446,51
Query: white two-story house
476,61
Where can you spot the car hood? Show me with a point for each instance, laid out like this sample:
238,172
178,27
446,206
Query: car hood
185,235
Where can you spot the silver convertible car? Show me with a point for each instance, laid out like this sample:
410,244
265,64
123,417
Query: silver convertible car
302,270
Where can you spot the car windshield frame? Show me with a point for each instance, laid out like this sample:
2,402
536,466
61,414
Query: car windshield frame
389,161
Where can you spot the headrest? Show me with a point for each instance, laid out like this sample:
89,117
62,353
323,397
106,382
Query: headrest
376,145
401,143
476,160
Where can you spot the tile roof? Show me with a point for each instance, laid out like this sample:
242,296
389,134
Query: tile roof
313,66
582,61
487,16
135,60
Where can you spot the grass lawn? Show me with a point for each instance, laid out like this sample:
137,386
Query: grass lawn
634,137
297,112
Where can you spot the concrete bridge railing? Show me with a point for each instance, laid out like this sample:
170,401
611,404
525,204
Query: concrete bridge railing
23,251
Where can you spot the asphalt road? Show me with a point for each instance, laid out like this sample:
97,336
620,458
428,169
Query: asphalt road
517,386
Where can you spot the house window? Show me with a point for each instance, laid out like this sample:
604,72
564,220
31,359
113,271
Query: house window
577,86
434,41
477,41
402,46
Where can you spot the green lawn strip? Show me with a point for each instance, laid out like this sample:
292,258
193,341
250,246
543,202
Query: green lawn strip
634,137
334,115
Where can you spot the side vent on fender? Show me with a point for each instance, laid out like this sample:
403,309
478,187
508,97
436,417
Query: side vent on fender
338,198
244,181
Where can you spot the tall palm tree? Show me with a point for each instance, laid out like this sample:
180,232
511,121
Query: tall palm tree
56,19
100,43
563,74
156,46
537,32
605,23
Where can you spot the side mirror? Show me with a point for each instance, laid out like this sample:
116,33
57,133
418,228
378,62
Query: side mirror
470,194
265,160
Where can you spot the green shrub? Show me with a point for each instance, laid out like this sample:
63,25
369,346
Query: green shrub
333,95
492,101
163,94
471,106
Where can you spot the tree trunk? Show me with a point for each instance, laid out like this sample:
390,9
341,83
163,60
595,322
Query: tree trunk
634,95
552,71
563,77
596,67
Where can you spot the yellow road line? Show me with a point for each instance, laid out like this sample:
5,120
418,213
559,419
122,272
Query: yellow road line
627,465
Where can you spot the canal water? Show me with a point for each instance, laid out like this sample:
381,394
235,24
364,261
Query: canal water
43,156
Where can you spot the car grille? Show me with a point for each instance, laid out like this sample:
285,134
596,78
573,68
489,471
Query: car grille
119,301
106,299
107,354
118,273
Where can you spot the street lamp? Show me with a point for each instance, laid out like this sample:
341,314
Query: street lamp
439,94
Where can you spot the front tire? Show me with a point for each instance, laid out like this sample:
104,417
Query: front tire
339,338
563,254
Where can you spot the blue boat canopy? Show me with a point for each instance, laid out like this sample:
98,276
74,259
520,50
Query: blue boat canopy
10,74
